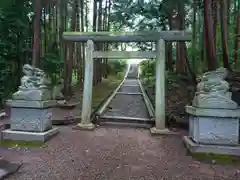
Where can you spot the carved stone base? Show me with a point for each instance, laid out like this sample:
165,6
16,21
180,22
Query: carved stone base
31,116
88,127
29,136
155,131
194,147
214,126
33,120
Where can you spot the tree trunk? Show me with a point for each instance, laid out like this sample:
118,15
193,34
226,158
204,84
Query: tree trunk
63,47
70,55
209,36
237,42
44,49
201,41
99,45
224,33
194,40
94,30
86,15
37,34
181,64
78,45
82,45
215,21
192,73
169,48
105,28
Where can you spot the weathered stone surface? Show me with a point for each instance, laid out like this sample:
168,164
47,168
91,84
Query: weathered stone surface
214,130
215,149
34,85
214,101
29,136
31,104
31,119
56,92
33,95
207,112
213,91
7,168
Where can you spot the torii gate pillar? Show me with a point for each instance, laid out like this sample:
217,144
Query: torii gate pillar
160,127
86,123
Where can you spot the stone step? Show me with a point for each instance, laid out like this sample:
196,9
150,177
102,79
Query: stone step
129,120
125,125
7,168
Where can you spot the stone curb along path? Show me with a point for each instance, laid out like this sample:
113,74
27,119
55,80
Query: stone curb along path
7,168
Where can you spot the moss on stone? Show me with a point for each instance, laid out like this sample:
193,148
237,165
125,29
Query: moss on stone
216,158
21,144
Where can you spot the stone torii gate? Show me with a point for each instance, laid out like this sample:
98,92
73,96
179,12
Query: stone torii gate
159,54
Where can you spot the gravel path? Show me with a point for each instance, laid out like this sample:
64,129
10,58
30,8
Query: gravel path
113,154
127,105
130,89
133,71
130,82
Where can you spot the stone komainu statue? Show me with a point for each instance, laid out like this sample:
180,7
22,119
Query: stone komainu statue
213,91
34,85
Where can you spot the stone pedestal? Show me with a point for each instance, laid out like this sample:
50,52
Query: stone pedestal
30,120
213,130
214,126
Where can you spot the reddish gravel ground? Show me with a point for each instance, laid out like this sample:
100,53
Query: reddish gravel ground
113,154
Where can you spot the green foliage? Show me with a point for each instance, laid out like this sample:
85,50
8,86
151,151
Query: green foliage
147,68
14,43
53,65
120,75
16,19
158,15
116,66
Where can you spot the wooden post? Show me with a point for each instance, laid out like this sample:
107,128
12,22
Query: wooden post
160,91
87,91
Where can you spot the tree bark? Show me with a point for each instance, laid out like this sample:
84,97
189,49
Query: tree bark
215,21
194,38
78,46
99,45
224,33
237,42
37,35
94,30
237,33
169,48
70,54
82,29
209,36
181,54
